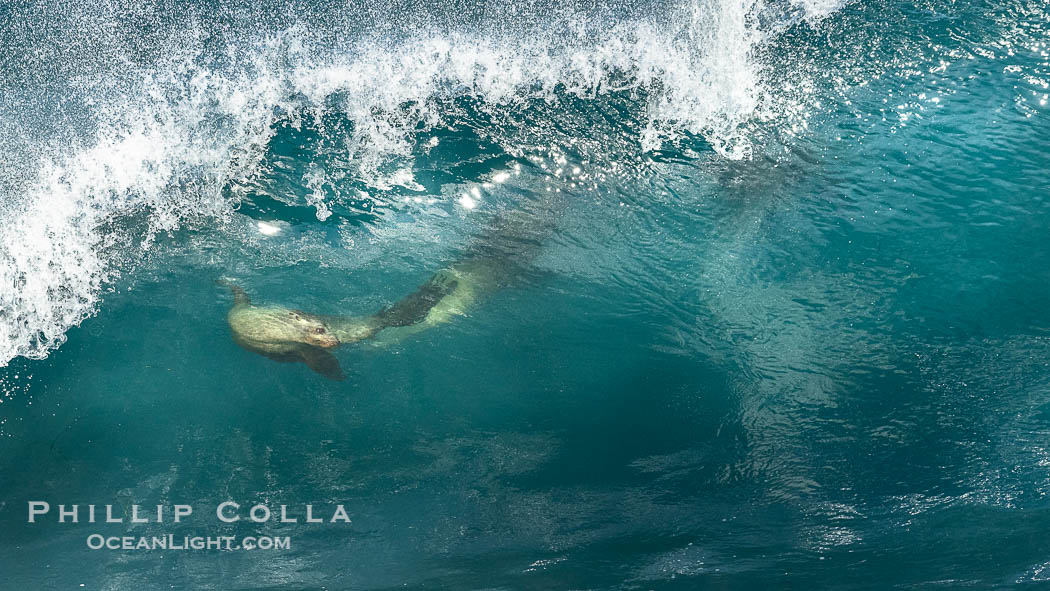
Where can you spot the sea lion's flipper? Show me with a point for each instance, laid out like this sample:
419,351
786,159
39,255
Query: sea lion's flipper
323,363
413,308
240,298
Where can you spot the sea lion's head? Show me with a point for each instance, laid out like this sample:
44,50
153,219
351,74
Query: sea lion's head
311,330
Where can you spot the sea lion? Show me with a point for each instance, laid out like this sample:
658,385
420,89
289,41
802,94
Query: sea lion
283,334
495,258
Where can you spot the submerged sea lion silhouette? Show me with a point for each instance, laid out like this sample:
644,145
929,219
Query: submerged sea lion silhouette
495,258
288,335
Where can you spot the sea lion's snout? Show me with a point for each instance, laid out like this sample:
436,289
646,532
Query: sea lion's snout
320,337
328,342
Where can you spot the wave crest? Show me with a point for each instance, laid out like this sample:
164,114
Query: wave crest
169,137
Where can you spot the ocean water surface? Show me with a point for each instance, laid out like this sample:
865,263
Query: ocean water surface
772,307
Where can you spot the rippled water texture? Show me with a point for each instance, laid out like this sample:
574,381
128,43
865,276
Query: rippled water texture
771,308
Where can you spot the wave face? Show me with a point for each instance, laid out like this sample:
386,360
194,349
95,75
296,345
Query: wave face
125,122
783,307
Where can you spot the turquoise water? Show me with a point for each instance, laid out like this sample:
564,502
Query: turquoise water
776,316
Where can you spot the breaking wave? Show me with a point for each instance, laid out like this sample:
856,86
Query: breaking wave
125,124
